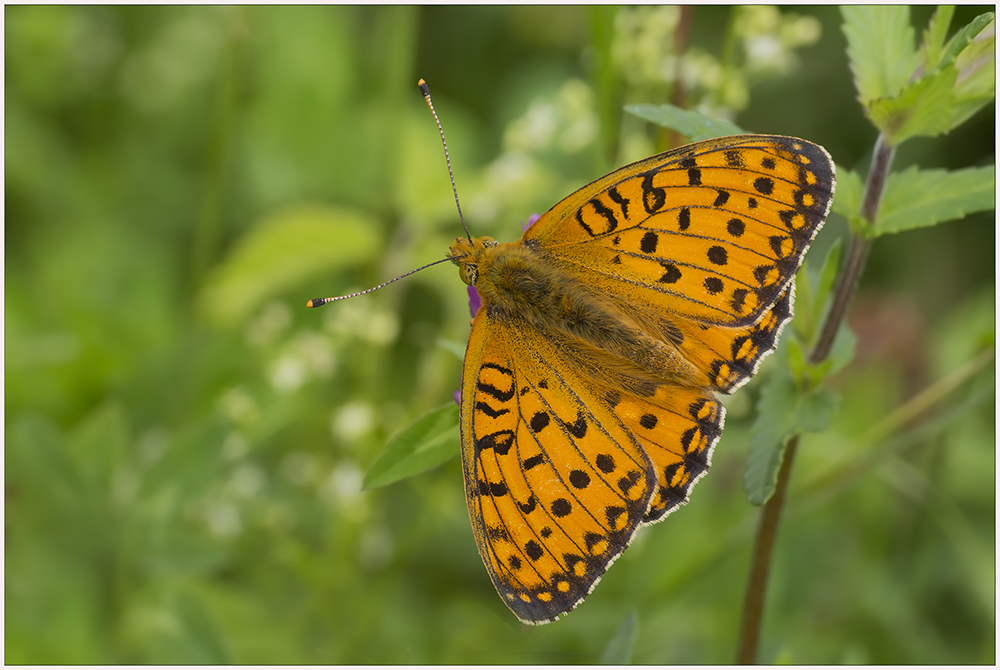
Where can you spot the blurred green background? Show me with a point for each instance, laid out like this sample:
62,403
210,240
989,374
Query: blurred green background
185,441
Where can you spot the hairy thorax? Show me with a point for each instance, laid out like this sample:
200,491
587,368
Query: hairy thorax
516,281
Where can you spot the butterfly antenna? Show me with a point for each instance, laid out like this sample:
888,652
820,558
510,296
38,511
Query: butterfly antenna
427,97
319,302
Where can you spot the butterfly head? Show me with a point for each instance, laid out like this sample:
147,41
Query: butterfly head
468,255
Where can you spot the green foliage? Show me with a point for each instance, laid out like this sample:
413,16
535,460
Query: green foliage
690,124
918,198
619,649
186,443
283,251
783,411
812,288
880,49
908,94
426,443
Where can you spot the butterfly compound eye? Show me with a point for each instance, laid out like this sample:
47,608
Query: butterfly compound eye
469,273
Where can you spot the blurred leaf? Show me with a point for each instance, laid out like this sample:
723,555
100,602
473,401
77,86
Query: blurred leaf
619,649
976,65
283,251
201,644
880,49
842,352
783,411
38,461
964,38
100,443
918,198
426,443
693,125
796,356
452,346
935,34
607,77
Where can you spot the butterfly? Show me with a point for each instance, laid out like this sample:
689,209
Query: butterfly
588,396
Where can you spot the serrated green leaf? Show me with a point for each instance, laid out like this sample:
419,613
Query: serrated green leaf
918,198
923,108
976,85
283,251
426,443
850,191
619,648
812,288
782,412
796,356
964,37
935,34
693,125
842,351
827,275
880,49
934,103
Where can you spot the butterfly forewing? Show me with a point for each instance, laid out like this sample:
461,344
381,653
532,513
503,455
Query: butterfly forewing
713,231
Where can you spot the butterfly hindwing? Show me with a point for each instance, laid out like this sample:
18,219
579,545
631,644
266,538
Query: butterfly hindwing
713,231
678,428
556,484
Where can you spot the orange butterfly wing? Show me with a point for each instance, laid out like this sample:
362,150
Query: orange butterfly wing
708,234
560,471
565,455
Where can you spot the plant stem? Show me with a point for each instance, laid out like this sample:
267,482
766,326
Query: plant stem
678,96
753,603
767,530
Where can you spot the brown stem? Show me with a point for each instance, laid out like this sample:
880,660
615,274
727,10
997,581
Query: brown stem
678,97
767,530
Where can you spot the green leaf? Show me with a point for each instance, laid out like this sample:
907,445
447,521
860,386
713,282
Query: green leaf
848,196
923,108
693,125
935,34
976,84
457,348
964,38
283,251
619,649
918,198
426,443
842,352
783,411
934,103
198,640
795,353
812,288
99,443
827,275
38,460
880,49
